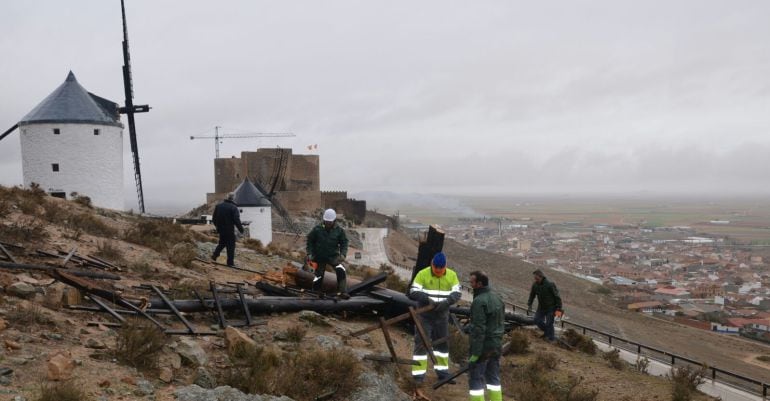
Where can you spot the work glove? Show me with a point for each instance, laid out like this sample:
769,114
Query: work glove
473,359
558,313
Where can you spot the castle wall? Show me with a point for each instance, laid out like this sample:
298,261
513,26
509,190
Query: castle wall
330,197
300,200
228,174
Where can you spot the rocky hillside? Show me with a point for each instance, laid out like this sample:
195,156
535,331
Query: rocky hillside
58,347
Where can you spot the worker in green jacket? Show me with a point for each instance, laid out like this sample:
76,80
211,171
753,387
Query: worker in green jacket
327,244
548,303
486,335
434,285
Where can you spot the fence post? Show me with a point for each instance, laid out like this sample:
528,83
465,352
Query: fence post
610,339
584,331
713,375
673,360
639,349
764,390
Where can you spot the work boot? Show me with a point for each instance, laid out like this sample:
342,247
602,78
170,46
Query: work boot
214,257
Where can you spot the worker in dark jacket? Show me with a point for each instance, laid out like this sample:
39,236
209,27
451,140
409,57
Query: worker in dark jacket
548,303
486,334
434,285
327,244
226,218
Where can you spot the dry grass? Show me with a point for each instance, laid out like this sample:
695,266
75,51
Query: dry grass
183,254
642,364
296,333
579,341
69,390
160,235
82,200
142,267
109,251
88,223
532,382
519,342
302,375
547,360
25,230
139,344
613,358
254,244
685,381
27,314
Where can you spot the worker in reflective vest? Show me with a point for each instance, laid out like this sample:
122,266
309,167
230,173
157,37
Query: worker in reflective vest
434,285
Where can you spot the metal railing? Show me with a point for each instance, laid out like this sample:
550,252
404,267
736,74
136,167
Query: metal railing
742,382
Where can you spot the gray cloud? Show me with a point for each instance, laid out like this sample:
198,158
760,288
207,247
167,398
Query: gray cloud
430,96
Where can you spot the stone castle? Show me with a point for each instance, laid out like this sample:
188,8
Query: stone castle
295,180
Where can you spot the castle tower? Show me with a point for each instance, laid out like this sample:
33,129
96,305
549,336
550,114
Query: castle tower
73,142
256,210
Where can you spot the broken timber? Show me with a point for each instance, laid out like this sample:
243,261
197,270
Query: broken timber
50,270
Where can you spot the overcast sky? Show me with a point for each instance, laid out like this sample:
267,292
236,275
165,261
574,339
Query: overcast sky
418,96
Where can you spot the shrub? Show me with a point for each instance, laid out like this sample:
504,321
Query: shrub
87,222
5,208
547,360
26,314
579,341
142,267
577,393
764,358
23,231
82,200
642,364
531,382
519,342
685,381
54,213
159,235
459,345
29,206
253,369
139,343
254,245
613,358
63,391
601,290
296,333
108,250
300,379
183,254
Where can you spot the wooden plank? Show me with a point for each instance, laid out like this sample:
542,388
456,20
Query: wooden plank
386,334
421,332
69,256
433,244
387,358
222,320
7,254
367,284
107,309
393,320
173,309
246,311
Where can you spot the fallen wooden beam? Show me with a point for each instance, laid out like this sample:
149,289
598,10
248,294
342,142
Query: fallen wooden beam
49,269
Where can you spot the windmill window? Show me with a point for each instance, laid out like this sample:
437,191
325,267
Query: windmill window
96,131
56,131
55,167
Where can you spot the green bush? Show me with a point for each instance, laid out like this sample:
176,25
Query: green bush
685,381
613,358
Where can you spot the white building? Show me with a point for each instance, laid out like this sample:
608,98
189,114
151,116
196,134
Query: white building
73,142
256,212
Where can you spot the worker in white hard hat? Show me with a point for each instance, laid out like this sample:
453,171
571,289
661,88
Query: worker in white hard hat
327,244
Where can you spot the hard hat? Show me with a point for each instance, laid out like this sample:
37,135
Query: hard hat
330,215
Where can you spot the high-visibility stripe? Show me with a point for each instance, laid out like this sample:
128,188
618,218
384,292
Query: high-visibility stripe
340,266
418,372
438,292
456,288
440,367
316,279
477,392
419,357
492,387
417,286
441,354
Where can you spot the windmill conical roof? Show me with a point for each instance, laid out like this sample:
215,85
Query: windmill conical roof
71,103
247,194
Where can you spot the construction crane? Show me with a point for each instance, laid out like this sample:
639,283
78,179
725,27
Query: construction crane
218,138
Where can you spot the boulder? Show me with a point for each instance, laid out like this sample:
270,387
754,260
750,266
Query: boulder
95,344
204,379
224,393
191,352
235,338
60,366
375,387
166,374
21,290
170,359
